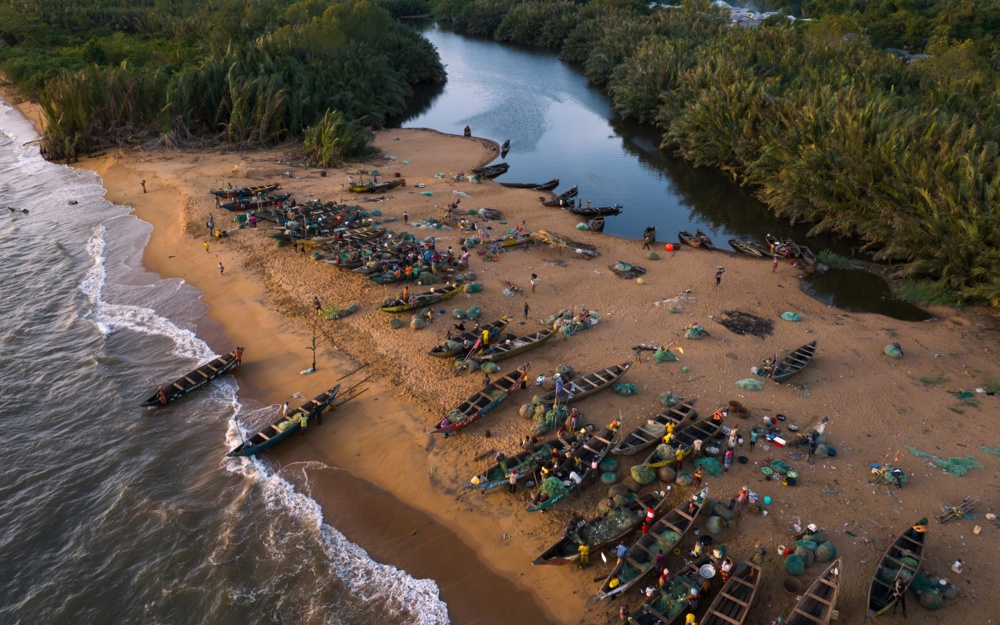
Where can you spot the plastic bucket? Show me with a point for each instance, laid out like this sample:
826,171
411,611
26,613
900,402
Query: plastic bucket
767,500
707,571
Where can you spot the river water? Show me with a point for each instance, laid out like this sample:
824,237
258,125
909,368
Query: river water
560,126
114,513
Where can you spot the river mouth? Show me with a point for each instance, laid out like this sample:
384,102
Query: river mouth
857,290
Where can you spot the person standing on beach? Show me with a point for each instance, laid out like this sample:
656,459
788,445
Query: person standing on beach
486,380
526,309
143,183
899,595
698,473
774,264
316,304
206,246
222,269
406,218
718,275
211,223
512,482
303,423
753,437
534,282
728,461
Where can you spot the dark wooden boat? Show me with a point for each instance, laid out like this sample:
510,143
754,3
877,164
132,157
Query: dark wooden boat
377,187
589,384
705,430
491,171
732,605
229,194
595,211
775,246
525,463
645,435
196,379
505,148
807,255
513,347
586,455
514,240
480,403
688,238
901,561
596,224
670,603
543,186
557,203
663,536
704,239
420,300
468,338
286,425
568,194
607,529
249,204
794,251
817,604
793,362
749,248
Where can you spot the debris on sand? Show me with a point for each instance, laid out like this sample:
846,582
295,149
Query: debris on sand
744,323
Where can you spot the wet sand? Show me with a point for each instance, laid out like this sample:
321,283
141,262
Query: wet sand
469,541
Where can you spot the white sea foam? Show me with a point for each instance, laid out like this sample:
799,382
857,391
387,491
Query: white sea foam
418,599
108,317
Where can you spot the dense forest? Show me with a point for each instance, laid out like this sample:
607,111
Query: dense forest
874,119
114,72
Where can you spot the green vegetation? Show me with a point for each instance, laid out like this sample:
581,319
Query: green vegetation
834,260
925,293
248,74
992,385
825,124
933,381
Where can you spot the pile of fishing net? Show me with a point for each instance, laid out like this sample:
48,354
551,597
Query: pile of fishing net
547,418
710,466
474,287
667,399
569,323
893,350
625,390
472,313
664,355
552,487
954,465
642,474
665,453
750,384
790,316
744,323
695,332
333,312
627,270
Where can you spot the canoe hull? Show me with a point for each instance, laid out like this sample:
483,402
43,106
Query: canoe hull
197,379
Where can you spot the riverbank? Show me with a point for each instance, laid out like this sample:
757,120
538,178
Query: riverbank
876,405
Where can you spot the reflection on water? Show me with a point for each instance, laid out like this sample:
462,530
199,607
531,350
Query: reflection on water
560,126
861,291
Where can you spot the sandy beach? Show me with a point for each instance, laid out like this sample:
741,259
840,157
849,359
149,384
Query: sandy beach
394,489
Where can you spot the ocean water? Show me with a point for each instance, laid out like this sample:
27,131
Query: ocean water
112,513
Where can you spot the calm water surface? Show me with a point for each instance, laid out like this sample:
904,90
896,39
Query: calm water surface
560,126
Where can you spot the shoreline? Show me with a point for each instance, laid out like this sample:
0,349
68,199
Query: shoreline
265,293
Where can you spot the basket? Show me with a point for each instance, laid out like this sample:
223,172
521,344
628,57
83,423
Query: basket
767,470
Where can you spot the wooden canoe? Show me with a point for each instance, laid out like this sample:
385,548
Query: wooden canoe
807,255
480,403
669,604
794,251
229,194
663,536
749,248
536,186
468,338
525,463
501,351
424,299
704,239
644,436
595,211
196,379
901,561
776,246
732,605
517,239
607,529
817,604
596,224
377,187
587,454
252,203
491,171
589,384
688,238
794,362
505,148
286,425
684,436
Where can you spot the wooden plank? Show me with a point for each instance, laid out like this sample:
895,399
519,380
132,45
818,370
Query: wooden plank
190,380
726,595
684,514
818,598
723,617
818,619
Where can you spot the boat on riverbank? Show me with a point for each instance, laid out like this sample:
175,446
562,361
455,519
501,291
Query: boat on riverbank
652,430
817,604
794,362
583,462
744,246
491,171
595,211
196,379
420,300
377,187
901,561
732,605
688,239
516,346
589,384
524,463
231,193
